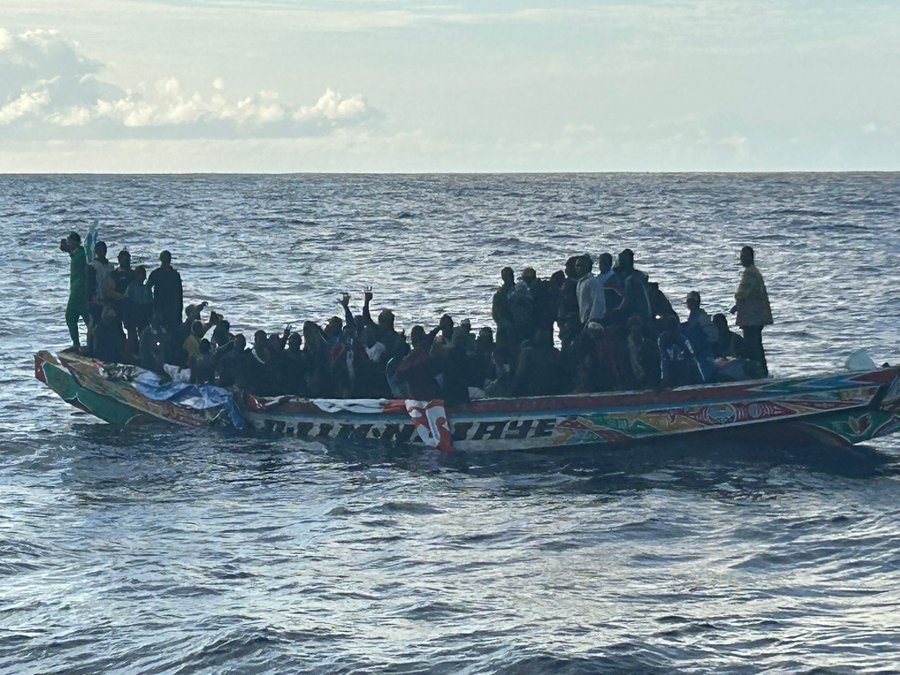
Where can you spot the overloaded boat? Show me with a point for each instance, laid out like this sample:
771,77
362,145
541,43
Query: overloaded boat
840,408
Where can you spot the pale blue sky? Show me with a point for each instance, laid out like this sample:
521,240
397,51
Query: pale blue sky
281,85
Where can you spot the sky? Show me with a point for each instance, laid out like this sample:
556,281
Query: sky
466,86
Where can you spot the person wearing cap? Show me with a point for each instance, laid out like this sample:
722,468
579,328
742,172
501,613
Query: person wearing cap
77,306
165,284
751,304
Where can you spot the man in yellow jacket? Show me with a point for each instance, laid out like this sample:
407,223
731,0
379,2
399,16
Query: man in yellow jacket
751,303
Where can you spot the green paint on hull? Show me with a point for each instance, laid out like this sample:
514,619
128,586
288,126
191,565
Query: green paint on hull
109,410
858,428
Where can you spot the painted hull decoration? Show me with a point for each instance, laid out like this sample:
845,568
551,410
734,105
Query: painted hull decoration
840,408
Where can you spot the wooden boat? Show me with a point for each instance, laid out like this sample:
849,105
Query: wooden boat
840,408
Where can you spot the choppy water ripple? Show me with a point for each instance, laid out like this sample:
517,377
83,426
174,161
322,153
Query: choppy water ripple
160,550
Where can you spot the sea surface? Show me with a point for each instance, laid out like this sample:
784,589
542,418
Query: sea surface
164,550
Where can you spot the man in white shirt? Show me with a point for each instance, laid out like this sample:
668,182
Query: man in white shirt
591,298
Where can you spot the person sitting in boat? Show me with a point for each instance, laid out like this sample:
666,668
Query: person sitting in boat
259,375
643,355
383,330
367,353
315,349
77,306
194,313
500,385
660,306
586,374
731,362
97,273
416,370
221,335
293,366
201,364
191,344
451,365
702,334
678,364
369,363
482,365
230,360
728,343
165,284
284,360
154,340
441,335
538,367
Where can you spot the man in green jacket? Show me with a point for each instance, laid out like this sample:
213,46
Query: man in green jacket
77,305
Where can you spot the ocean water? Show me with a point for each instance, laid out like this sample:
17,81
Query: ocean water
159,549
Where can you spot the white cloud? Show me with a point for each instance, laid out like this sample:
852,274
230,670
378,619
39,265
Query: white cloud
49,90
28,103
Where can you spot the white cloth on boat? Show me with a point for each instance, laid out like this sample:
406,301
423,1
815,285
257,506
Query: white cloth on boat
176,373
351,405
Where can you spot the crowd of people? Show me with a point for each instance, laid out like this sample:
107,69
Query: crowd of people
573,332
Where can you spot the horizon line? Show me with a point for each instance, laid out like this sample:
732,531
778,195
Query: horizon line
453,173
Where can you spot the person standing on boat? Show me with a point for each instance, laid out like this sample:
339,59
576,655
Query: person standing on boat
501,309
97,274
636,301
567,317
613,290
165,283
77,307
751,304
591,295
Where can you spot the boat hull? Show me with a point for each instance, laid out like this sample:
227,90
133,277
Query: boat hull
838,408
93,387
